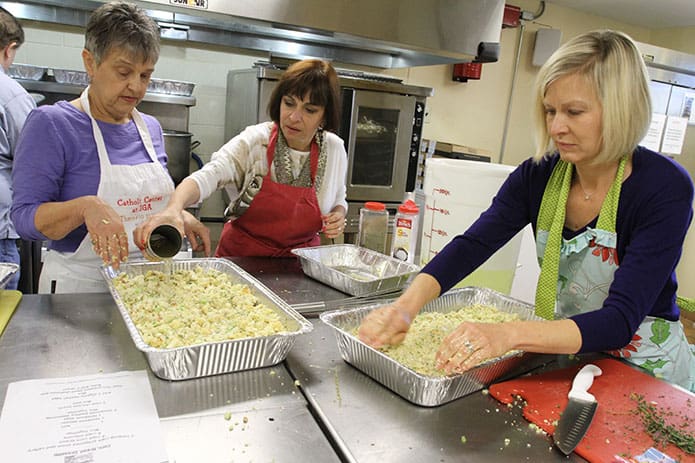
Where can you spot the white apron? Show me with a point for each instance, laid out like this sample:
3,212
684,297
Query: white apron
134,192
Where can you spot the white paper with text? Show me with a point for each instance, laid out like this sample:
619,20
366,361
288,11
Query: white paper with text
105,418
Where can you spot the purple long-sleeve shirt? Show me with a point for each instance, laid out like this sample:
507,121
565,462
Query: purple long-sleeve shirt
56,160
654,213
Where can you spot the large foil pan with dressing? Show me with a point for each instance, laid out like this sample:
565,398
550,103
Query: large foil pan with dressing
355,270
428,391
212,358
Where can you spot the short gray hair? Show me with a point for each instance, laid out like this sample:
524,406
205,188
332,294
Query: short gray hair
612,64
125,26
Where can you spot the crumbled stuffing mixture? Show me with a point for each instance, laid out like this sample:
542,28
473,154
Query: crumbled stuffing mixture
429,329
190,307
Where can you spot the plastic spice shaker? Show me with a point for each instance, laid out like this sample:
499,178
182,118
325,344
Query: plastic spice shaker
405,229
373,226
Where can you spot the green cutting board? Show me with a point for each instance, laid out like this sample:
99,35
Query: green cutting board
9,300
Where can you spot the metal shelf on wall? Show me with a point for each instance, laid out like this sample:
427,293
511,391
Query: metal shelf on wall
72,89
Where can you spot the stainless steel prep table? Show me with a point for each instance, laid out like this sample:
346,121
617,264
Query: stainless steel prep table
81,334
369,423
69,335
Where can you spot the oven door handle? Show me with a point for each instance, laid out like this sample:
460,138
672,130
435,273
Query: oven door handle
348,113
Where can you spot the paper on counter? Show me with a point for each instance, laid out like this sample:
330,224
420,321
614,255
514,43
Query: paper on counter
101,418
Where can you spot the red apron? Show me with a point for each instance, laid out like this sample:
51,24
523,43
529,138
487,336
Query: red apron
280,218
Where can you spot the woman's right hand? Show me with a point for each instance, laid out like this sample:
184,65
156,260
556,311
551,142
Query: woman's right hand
169,216
106,231
385,326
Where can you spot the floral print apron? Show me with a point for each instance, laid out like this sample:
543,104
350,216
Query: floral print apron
585,271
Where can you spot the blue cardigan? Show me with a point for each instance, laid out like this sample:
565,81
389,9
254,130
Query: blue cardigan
654,213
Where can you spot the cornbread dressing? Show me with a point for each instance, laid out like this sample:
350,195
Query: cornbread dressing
428,330
190,307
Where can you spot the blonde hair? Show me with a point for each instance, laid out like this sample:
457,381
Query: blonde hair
612,64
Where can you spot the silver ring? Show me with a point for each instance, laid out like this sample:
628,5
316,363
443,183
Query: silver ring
469,346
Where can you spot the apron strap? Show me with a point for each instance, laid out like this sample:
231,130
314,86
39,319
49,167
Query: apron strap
685,303
551,218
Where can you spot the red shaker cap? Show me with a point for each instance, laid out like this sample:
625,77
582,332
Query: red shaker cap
408,207
375,206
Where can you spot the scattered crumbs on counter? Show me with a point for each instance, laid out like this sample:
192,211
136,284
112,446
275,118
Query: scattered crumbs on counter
506,441
463,439
272,372
338,396
231,427
228,416
485,391
297,383
528,445
212,395
245,419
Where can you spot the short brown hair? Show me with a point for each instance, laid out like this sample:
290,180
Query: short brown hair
10,29
315,78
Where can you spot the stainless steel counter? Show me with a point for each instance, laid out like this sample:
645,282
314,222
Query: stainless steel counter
369,423
71,335
336,414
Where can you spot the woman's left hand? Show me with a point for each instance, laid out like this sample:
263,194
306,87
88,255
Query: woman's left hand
333,224
197,233
471,344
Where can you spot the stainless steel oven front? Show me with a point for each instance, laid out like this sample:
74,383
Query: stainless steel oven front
382,134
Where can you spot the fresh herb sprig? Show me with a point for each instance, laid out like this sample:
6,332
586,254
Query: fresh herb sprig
659,430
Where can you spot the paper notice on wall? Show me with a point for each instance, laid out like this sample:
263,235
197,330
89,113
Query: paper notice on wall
688,108
652,140
97,418
674,134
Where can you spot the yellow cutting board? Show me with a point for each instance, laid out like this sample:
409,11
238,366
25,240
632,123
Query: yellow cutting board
9,300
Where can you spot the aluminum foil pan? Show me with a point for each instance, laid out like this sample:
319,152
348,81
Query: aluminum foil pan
216,357
171,87
7,269
66,76
423,390
355,270
26,71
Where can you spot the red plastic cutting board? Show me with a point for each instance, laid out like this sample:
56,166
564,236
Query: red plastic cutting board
616,429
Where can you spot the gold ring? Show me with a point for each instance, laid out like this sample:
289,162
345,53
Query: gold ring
105,221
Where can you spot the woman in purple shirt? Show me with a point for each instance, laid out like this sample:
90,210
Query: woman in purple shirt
610,219
89,170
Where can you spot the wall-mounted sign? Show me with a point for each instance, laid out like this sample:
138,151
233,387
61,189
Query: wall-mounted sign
199,4
652,140
674,134
687,110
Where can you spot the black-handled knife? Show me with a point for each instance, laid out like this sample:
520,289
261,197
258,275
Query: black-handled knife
577,417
